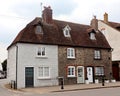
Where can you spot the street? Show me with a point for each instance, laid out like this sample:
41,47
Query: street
93,92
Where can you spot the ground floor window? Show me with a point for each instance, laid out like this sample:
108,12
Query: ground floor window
43,72
99,71
71,71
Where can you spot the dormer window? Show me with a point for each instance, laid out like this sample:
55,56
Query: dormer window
38,29
66,31
92,36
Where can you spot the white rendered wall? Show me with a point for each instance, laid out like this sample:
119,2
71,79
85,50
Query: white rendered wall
27,58
113,37
11,64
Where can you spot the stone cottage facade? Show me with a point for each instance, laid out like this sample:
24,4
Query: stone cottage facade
47,50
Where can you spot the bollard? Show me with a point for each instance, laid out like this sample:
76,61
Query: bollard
103,81
62,83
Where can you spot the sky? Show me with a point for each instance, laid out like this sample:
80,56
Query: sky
16,14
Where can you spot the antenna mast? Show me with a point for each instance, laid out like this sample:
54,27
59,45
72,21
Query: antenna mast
41,8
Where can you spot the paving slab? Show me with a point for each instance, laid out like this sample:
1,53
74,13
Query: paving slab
42,90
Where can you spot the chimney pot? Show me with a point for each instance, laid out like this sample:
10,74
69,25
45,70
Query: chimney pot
94,23
47,15
106,17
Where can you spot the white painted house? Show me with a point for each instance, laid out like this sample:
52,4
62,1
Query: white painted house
30,63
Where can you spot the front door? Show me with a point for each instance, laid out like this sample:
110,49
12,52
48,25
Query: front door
90,74
80,74
115,70
29,77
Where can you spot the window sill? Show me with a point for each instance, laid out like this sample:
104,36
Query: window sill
43,78
43,57
71,76
70,57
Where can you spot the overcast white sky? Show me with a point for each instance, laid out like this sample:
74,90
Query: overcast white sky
15,14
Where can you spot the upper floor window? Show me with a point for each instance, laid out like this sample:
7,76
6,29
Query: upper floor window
41,52
71,71
38,29
97,54
92,36
66,31
70,53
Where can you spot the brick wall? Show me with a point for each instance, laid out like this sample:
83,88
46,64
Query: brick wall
84,57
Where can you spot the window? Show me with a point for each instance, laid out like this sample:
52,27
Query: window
97,54
66,31
92,36
44,72
70,53
99,71
41,51
71,71
38,29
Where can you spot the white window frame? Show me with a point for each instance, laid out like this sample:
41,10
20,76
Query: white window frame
71,71
66,31
43,76
99,71
38,29
92,36
41,52
97,54
70,53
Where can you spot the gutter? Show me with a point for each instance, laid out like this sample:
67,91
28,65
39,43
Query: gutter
16,64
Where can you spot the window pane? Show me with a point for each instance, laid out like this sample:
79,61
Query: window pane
46,71
43,51
40,71
99,70
39,51
97,54
71,71
70,53
38,29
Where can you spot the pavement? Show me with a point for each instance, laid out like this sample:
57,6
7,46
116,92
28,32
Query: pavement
42,90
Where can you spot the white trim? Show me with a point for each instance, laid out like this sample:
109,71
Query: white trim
40,48
70,53
70,75
83,73
66,31
43,77
92,36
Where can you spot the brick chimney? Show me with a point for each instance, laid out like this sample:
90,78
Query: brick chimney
94,23
106,17
47,15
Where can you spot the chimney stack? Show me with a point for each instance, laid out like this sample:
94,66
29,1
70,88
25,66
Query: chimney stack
106,17
47,15
94,23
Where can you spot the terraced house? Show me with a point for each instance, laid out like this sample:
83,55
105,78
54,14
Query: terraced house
111,31
47,49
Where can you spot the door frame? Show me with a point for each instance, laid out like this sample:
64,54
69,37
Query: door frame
33,77
83,73
92,73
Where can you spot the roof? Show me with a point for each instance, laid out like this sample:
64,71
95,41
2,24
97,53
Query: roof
53,35
113,24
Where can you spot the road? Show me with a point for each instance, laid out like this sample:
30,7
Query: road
93,92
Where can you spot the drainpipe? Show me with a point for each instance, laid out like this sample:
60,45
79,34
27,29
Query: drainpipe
16,64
